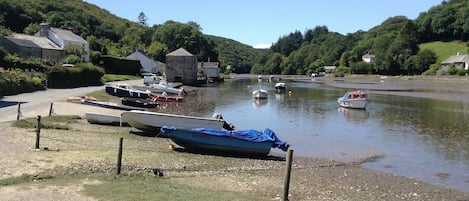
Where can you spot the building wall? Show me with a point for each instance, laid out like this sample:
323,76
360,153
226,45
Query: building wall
53,55
181,69
23,52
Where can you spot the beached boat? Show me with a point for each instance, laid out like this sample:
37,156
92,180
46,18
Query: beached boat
167,98
245,142
105,119
124,90
108,105
138,102
153,121
260,94
354,99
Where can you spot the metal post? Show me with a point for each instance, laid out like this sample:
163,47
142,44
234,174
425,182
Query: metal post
38,131
286,185
119,156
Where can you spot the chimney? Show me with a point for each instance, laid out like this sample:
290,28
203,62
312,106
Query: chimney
45,27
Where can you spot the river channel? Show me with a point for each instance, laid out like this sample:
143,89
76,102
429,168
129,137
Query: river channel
425,139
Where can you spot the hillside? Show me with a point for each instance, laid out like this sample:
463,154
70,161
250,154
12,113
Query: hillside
443,50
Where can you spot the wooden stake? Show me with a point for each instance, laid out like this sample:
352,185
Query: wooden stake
119,156
51,109
18,114
286,185
38,131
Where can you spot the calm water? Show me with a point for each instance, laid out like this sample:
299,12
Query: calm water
421,138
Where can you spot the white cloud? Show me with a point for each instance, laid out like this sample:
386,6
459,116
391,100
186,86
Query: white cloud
262,46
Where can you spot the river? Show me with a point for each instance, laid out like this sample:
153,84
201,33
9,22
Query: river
420,138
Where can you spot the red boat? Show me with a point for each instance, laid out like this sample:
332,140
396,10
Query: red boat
166,98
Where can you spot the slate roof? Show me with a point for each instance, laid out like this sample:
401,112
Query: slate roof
22,42
180,52
68,35
462,58
42,42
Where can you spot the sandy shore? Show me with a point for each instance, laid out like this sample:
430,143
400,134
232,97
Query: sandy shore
312,178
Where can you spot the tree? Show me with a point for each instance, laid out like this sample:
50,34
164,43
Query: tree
142,19
31,29
287,44
157,51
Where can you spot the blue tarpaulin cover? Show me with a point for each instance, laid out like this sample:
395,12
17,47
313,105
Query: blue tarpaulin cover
249,135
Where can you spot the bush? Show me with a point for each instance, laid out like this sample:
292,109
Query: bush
82,74
16,82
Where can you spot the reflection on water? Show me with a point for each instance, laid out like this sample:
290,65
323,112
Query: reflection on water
259,102
354,115
419,138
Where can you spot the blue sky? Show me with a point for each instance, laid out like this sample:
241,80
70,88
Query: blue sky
260,23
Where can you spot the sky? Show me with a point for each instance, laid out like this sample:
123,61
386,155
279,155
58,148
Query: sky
260,23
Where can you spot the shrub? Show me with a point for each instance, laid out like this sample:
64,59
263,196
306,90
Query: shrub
82,74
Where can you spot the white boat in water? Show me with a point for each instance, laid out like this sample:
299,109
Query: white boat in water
153,121
260,94
354,99
164,86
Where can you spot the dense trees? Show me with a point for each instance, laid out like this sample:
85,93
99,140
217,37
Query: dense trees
394,42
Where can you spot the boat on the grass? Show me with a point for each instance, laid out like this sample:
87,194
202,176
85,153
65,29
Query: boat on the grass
108,105
260,94
138,102
245,142
124,90
167,98
153,121
354,99
105,119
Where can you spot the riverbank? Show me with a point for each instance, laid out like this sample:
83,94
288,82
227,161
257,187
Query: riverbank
90,149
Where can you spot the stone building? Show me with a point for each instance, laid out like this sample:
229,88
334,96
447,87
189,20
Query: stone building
181,66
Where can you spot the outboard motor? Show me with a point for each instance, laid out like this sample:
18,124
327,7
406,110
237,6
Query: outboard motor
226,125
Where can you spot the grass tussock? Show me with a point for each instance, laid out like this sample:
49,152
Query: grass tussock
61,122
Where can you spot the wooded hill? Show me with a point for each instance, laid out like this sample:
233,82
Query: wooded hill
396,43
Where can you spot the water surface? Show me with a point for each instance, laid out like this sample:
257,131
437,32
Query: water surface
421,138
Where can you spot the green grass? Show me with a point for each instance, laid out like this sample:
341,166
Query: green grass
443,50
52,122
114,77
14,180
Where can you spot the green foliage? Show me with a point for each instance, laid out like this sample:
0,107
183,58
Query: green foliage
444,50
15,180
82,74
31,29
72,59
114,65
115,77
17,81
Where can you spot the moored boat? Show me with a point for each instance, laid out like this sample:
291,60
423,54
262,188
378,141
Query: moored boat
167,98
124,90
153,121
245,142
260,94
354,99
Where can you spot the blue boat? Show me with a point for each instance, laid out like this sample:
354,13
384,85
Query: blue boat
245,142
124,90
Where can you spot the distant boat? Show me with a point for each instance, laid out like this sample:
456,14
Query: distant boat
245,142
260,94
138,102
153,121
354,99
124,90
105,119
108,105
280,85
164,86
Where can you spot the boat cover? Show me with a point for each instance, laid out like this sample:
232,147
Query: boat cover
249,135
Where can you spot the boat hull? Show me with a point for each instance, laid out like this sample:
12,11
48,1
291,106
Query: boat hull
153,121
137,102
105,119
108,105
260,94
124,92
199,141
